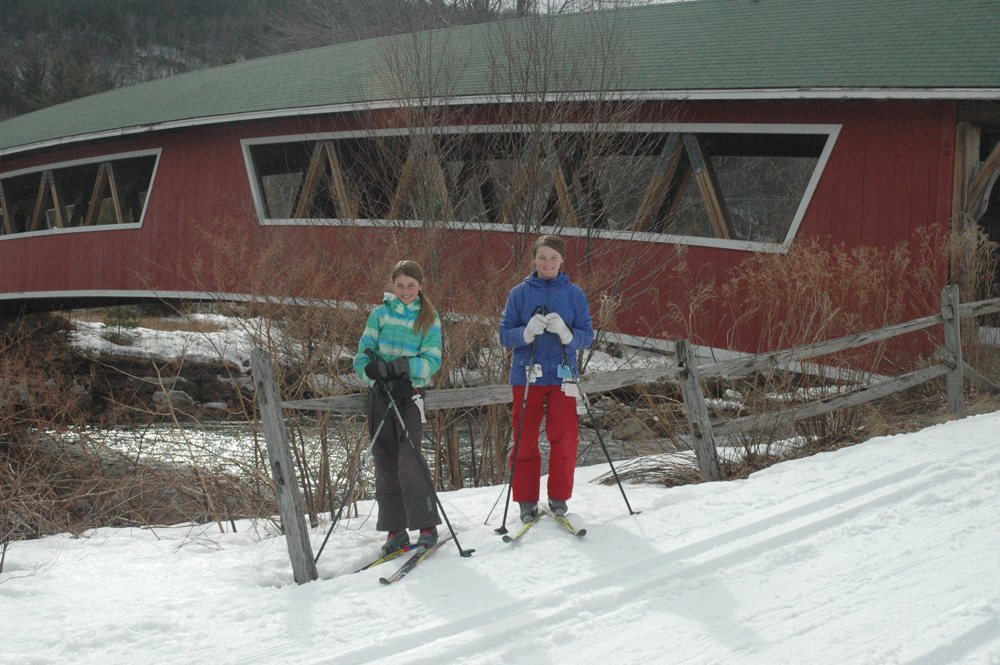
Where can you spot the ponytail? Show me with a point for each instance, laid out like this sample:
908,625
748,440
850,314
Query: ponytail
425,320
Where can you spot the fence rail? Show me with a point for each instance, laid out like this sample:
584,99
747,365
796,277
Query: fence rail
686,372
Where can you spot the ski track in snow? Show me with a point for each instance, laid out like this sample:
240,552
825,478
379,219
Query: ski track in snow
885,552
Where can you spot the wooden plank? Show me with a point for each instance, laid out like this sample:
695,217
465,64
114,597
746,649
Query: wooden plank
953,345
40,201
773,359
979,308
981,185
663,175
973,375
708,184
347,208
97,196
303,206
702,438
604,381
286,486
457,398
775,418
57,202
8,221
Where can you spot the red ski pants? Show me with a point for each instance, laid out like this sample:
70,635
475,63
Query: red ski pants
563,430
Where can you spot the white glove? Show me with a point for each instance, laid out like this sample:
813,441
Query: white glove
535,327
555,324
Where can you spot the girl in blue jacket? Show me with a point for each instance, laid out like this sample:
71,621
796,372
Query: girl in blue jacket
551,313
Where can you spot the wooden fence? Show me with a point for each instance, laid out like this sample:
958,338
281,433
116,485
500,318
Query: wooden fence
686,372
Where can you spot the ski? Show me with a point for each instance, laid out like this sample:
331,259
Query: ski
507,538
566,523
388,557
419,554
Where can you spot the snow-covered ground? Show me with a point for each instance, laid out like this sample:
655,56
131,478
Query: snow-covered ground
231,343
886,552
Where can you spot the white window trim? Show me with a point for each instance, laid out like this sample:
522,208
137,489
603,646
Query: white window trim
81,162
830,130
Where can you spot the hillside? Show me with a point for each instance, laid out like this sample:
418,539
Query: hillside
53,51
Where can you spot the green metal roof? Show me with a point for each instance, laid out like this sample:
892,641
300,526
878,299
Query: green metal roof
700,48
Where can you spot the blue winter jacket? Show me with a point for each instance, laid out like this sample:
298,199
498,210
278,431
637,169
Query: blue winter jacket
559,295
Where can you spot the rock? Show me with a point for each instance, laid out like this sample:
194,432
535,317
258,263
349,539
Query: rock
165,397
214,392
238,382
632,429
218,406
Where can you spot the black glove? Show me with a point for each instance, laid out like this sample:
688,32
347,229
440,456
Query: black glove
401,389
378,369
400,367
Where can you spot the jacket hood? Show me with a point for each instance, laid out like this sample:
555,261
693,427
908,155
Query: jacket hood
398,305
558,279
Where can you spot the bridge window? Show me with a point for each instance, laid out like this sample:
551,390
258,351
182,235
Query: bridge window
728,186
107,191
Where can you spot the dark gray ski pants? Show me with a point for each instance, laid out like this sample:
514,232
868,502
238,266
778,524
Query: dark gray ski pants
402,488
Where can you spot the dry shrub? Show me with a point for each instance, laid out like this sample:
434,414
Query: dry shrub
815,293
56,477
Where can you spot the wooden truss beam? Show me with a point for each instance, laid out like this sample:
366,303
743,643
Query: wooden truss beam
422,156
303,206
103,184
663,176
57,202
436,173
8,221
595,202
554,164
676,196
981,184
528,154
468,174
324,154
346,206
708,184
488,192
401,196
47,193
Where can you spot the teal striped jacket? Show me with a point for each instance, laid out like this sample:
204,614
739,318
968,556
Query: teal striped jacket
390,332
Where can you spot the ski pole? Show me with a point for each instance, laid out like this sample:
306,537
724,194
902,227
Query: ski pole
357,476
593,423
427,473
517,440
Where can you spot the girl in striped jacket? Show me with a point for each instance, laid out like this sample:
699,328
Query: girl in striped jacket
405,332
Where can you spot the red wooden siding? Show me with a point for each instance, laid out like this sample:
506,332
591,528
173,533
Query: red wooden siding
888,175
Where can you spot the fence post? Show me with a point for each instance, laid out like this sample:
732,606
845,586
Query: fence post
697,412
953,344
286,486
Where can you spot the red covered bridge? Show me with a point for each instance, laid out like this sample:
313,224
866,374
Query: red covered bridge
725,126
